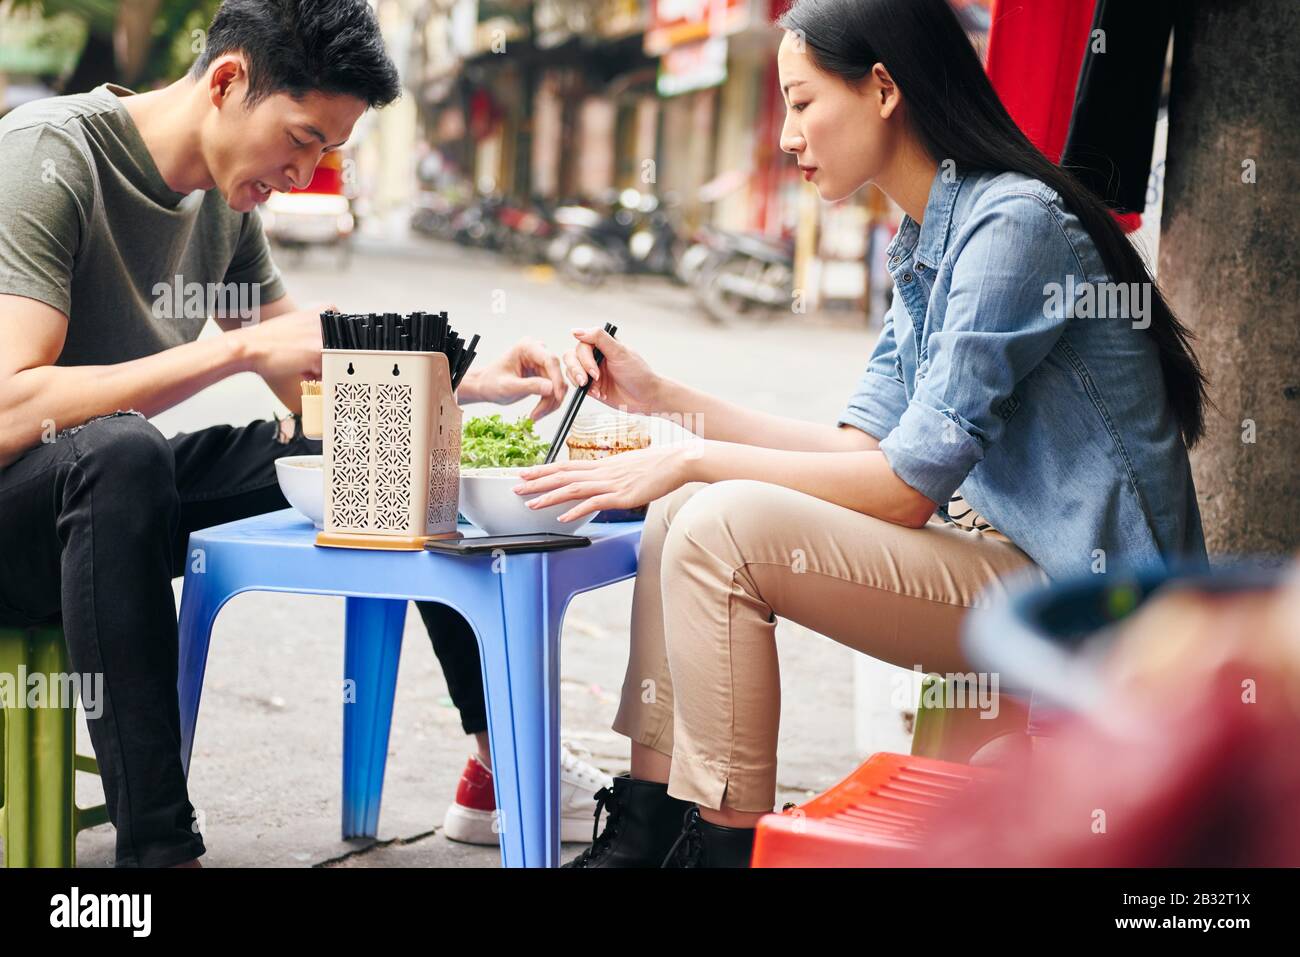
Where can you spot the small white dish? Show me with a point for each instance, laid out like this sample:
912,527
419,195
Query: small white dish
302,480
487,500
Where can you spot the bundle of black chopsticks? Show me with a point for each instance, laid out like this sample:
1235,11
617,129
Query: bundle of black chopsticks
418,332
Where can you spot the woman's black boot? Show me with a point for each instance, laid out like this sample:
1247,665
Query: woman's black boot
701,844
642,823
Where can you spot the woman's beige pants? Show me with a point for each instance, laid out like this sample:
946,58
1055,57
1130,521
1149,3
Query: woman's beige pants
719,562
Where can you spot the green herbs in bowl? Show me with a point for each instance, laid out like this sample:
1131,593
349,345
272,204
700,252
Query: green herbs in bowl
489,441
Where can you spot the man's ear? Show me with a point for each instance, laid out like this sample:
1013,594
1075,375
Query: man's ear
886,90
226,78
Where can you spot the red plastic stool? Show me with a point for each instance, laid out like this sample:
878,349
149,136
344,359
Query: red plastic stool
876,817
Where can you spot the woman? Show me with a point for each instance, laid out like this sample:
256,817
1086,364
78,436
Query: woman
1066,430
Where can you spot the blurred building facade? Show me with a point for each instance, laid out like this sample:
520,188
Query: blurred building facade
569,99
575,99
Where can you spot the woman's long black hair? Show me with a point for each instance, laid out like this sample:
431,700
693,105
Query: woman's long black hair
957,115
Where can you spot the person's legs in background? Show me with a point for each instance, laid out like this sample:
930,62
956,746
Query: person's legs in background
456,649
471,816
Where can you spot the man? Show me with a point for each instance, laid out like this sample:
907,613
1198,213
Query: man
107,200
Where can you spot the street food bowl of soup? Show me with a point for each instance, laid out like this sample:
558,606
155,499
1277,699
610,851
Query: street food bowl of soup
303,484
487,500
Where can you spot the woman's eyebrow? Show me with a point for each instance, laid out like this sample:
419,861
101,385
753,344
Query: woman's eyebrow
785,90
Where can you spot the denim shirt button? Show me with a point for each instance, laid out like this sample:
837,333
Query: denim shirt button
896,260
920,267
907,277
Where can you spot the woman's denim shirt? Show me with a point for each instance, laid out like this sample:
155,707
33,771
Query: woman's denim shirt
1010,369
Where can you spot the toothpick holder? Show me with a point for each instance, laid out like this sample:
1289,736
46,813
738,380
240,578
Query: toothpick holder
391,449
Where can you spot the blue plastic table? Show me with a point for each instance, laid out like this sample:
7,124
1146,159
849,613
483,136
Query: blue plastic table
515,604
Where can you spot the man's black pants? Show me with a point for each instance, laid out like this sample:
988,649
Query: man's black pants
94,525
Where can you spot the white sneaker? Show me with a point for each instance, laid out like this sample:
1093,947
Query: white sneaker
471,817
579,782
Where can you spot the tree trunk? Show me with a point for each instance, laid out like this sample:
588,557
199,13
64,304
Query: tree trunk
133,37
1228,260
95,66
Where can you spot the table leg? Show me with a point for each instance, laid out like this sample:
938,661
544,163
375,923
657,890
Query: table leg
522,677
200,602
372,649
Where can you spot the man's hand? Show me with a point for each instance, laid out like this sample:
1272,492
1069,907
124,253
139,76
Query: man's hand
284,349
527,369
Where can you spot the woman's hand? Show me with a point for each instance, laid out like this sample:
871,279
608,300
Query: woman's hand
623,380
625,480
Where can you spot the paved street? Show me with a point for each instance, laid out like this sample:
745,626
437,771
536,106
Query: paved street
266,768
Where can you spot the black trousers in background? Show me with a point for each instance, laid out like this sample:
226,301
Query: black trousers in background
1117,101
93,527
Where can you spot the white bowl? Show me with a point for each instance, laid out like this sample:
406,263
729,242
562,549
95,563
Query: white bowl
302,480
486,500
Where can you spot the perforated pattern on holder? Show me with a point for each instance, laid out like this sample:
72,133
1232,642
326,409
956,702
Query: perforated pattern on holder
444,479
392,457
350,468
372,450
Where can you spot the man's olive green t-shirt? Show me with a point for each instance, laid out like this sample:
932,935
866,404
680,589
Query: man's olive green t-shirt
89,226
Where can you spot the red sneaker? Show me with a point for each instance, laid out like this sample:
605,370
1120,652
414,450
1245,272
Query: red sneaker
471,818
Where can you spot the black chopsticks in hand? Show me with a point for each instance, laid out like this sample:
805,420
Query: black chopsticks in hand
571,412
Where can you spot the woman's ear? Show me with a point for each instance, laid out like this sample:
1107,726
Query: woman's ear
886,90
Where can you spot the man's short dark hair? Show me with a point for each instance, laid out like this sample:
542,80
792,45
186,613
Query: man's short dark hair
304,46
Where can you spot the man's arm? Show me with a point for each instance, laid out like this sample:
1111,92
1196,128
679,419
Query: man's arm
39,398
287,385
253,264
282,306
36,395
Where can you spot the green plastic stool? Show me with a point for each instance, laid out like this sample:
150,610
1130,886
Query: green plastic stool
39,817
955,734
928,725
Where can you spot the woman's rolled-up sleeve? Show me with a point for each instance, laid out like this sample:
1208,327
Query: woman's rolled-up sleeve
879,399
998,324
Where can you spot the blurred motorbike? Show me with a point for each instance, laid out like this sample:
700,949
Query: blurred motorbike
637,236
433,214
527,230
740,277
478,224
707,247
